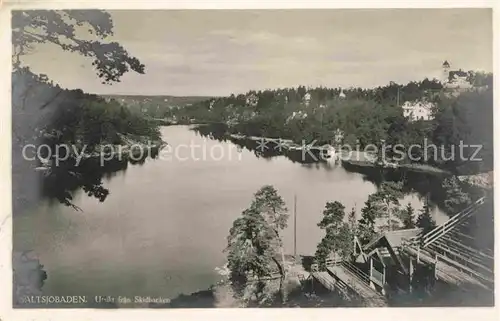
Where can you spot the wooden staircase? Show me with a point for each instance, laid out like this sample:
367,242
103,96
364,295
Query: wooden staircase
345,277
450,225
448,245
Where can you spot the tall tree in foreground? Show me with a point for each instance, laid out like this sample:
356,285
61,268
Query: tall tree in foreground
366,224
351,221
254,242
62,28
249,249
387,196
338,238
273,209
35,98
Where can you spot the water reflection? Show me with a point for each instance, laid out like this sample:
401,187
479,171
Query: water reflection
426,185
162,229
62,181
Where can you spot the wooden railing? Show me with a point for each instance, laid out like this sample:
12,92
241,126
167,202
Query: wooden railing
439,231
356,272
328,262
436,233
452,250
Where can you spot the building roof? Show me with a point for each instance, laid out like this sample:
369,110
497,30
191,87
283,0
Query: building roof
394,238
446,63
457,73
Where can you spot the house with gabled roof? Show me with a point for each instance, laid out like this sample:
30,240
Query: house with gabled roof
384,260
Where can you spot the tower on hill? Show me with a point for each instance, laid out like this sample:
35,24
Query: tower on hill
446,71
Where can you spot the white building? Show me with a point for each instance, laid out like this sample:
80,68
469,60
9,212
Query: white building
252,100
342,95
455,81
417,110
307,99
296,115
338,136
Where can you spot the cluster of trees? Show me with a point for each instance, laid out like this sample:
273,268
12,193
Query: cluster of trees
158,106
382,212
366,116
255,247
44,113
466,119
255,250
222,108
58,115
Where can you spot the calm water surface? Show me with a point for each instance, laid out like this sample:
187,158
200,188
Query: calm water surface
162,229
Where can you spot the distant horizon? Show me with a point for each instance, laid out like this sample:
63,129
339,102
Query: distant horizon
219,52
272,89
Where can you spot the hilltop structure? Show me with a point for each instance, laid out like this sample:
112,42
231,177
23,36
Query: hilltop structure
455,81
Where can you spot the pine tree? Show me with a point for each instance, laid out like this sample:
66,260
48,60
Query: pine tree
338,238
425,220
351,221
387,197
254,242
407,217
366,224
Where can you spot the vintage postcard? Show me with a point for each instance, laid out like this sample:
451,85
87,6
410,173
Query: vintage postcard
315,157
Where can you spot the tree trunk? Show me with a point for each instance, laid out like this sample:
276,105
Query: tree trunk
281,267
284,294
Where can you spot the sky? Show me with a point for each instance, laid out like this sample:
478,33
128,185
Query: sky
219,52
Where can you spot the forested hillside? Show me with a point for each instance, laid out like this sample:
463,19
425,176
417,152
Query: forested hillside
365,116
159,106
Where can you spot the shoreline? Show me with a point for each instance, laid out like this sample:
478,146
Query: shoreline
353,160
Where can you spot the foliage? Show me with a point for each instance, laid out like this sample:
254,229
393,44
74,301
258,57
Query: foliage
351,221
254,241
406,217
425,220
338,238
387,197
249,245
365,116
61,28
463,131
45,113
272,207
456,199
366,224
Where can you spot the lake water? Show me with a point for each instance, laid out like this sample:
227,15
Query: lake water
163,228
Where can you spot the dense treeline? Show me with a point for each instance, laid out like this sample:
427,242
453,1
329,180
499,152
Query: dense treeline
47,115
158,106
365,116
70,116
44,113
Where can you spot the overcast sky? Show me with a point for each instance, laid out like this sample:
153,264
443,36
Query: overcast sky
221,52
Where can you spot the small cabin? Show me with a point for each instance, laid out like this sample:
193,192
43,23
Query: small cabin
384,261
